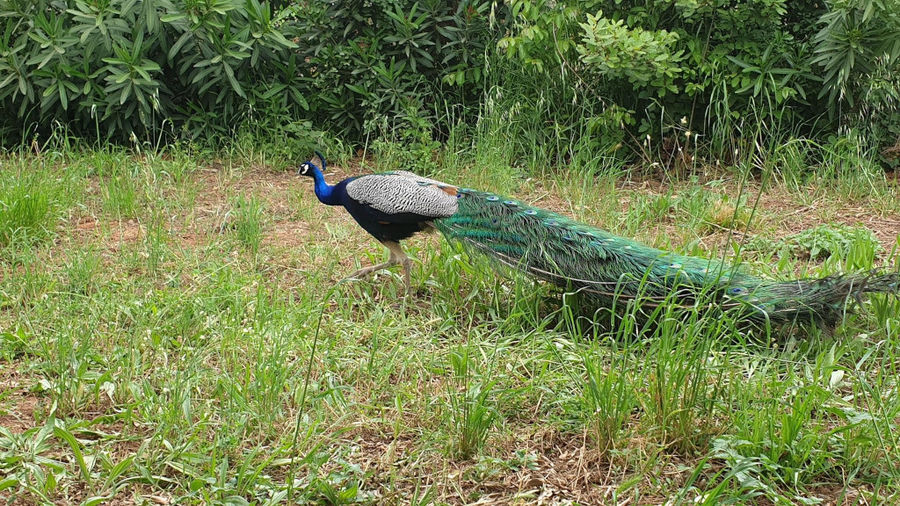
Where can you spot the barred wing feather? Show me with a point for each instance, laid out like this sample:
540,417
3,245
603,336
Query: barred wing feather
404,192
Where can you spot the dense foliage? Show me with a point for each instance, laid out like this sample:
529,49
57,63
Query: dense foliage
569,77
716,67
125,67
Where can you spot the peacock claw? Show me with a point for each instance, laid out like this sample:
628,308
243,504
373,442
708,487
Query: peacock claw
395,259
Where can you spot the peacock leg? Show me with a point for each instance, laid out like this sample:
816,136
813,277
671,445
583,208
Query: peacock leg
406,276
399,257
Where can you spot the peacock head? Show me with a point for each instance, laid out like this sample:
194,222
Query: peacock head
308,168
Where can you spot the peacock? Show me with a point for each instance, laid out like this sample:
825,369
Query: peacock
391,206
603,267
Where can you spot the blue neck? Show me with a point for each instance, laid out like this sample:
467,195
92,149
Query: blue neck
324,191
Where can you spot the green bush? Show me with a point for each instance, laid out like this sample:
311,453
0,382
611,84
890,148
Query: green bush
140,69
718,68
384,67
877,113
855,34
645,58
549,80
126,68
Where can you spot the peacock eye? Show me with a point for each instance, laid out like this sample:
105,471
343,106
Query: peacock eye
736,290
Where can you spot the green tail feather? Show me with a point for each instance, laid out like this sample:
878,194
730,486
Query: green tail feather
608,268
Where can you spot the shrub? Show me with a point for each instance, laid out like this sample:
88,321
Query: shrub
581,79
380,67
645,58
727,68
136,69
129,68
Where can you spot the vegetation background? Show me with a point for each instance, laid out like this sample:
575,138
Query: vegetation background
609,80
172,329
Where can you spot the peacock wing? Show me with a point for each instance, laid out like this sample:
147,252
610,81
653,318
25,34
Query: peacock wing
415,177
404,193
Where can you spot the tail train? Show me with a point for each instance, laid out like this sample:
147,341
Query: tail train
607,268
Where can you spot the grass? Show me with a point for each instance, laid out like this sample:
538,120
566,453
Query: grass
248,222
30,204
175,332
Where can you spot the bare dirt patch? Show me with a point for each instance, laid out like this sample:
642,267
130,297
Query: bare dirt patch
287,234
561,469
17,404
89,229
